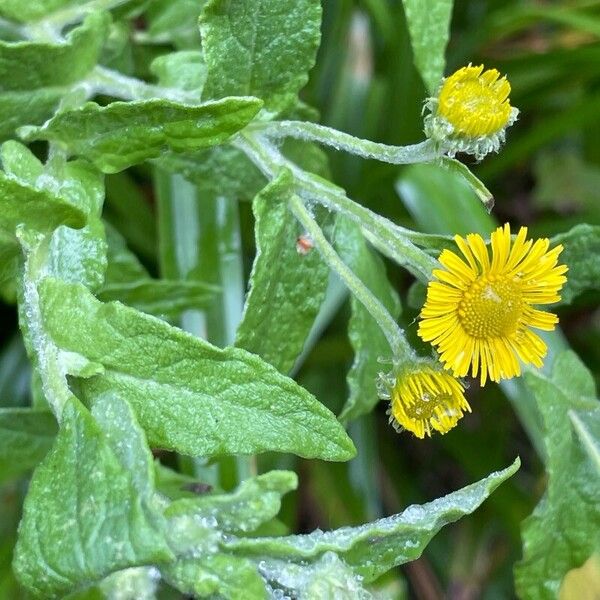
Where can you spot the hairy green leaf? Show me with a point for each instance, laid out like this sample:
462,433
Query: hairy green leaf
253,503
429,27
327,577
244,39
37,209
580,254
96,517
27,107
374,548
217,574
77,182
77,255
34,65
287,285
9,265
123,265
557,536
221,170
160,297
185,70
367,339
25,438
174,21
187,394
122,134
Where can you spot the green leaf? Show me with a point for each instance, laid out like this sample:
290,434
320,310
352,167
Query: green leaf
37,209
87,514
123,265
34,65
25,438
79,255
253,503
185,70
129,212
9,265
374,548
287,287
217,574
122,134
139,583
44,193
160,297
174,21
27,107
76,182
244,39
429,28
580,254
56,12
187,394
222,170
366,337
328,577
558,536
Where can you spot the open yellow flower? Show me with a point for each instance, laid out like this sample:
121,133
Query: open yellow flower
471,111
423,398
479,312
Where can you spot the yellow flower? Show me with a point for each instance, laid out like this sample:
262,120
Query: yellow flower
471,111
424,398
479,311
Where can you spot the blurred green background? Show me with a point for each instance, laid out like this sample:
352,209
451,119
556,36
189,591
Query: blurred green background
546,177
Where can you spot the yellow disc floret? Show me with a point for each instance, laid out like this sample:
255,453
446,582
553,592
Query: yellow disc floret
471,112
475,102
480,310
425,399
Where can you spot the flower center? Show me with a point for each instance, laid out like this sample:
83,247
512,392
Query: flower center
424,407
491,307
475,103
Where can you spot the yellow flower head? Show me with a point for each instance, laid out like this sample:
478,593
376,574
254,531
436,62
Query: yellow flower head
471,111
479,311
424,398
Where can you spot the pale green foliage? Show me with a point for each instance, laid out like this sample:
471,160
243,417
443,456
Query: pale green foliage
125,133
580,254
25,437
59,547
53,64
188,395
114,378
243,39
374,548
559,535
429,26
366,337
287,285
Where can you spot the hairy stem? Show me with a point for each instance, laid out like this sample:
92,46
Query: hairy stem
394,335
394,241
397,155
112,83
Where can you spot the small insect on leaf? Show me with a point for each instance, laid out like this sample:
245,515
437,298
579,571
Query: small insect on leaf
304,244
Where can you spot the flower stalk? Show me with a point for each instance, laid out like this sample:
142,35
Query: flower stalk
394,335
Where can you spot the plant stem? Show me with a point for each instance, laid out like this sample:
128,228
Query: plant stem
397,155
112,83
476,184
394,335
394,241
